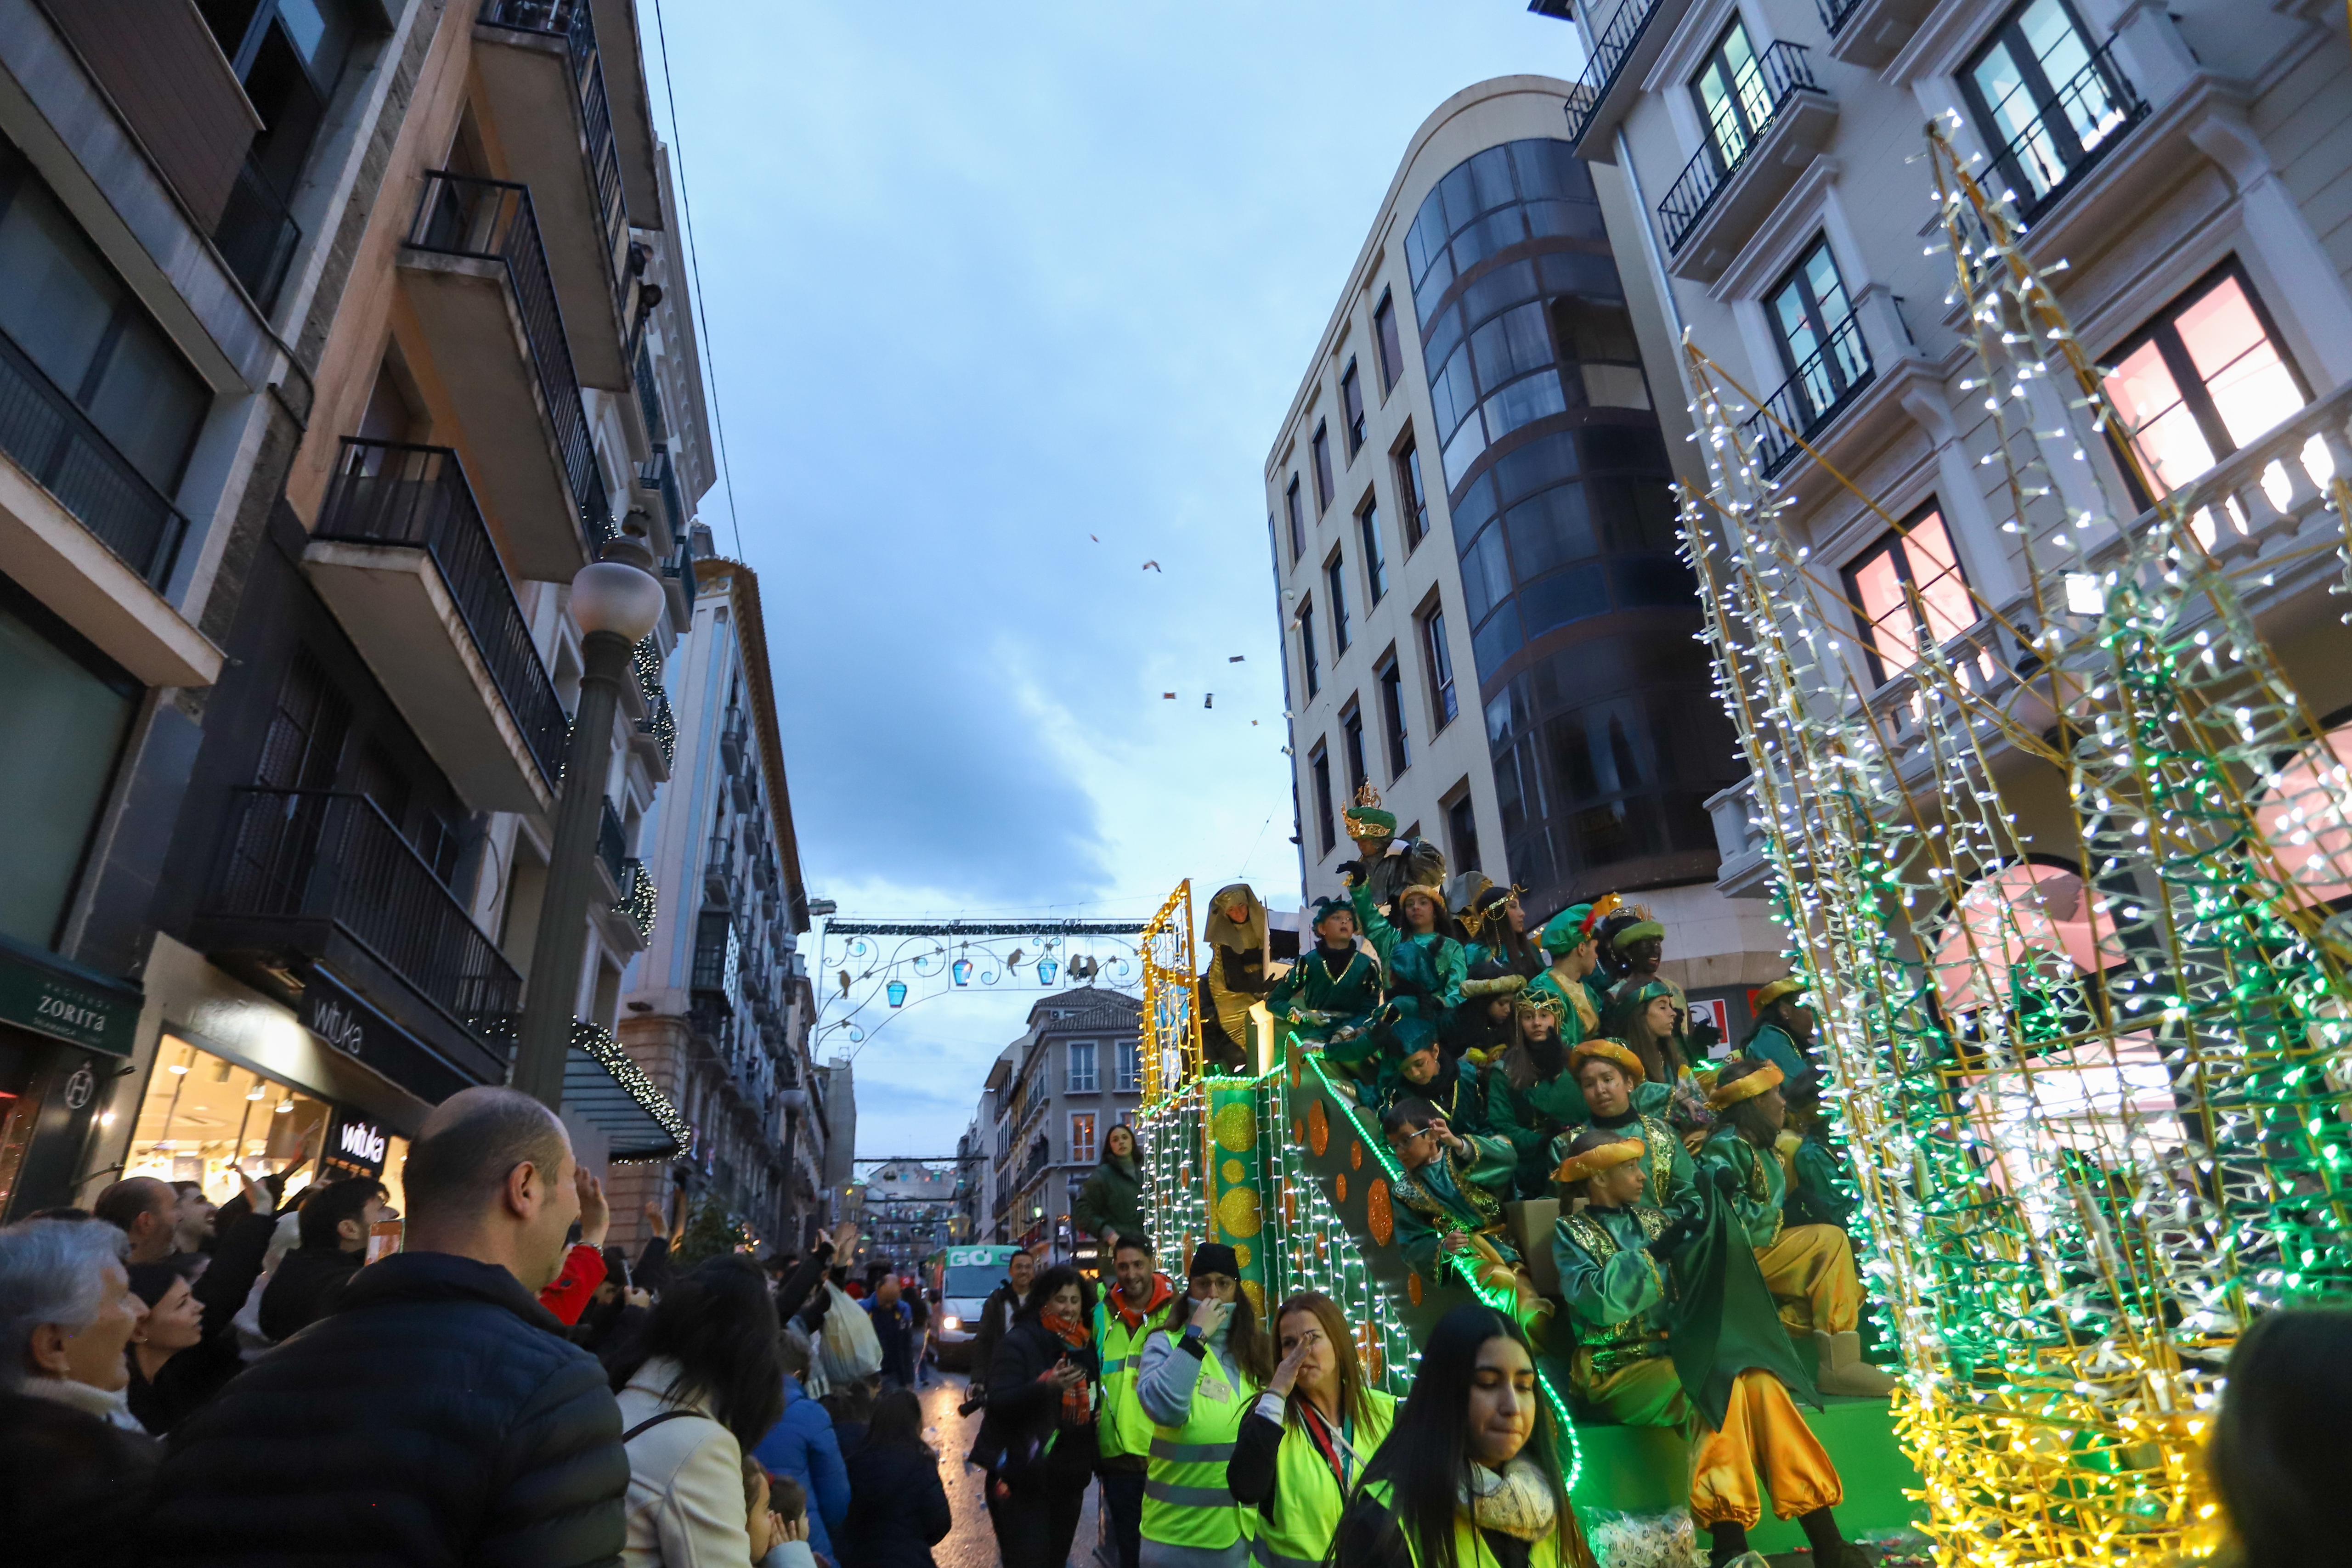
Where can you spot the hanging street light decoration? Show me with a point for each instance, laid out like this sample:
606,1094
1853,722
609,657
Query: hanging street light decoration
961,970
932,958
896,990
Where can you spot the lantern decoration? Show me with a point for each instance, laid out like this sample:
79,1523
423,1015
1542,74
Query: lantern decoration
897,991
960,971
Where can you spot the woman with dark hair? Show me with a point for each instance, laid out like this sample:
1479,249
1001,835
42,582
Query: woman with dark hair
1531,1095
897,1508
1199,1376
2282,1479
1112,1203
703,1386
1037,1441
1424,965
1303,1448
1493,929
1469,1476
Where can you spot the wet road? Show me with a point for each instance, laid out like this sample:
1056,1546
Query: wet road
971,1544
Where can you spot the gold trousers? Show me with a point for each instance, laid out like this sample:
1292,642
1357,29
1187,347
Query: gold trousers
1810,1272
1761,1432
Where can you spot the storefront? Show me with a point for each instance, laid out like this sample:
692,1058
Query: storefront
64,1033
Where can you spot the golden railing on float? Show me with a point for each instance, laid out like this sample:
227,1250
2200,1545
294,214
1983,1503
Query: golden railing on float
1171,1002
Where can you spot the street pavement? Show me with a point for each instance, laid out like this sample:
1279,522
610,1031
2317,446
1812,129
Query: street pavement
972,1543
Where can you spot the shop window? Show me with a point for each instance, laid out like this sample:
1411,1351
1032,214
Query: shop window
2204,378
1881,584
202,1114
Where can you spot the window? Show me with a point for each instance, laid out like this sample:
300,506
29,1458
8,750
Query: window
1376,572
1082,1137
1733,97
1322,449
1351,748
1307,651
1335,578
1128,1057
1596,336
1080,1064
1391,351
1351,398
2202,380
1921,559
288,54
1416,497
2045,99
1441,668
1318,763
1461,835
1391,676
1821,350
1297,520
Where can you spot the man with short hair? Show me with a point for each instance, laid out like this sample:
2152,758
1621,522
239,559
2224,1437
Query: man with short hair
1129,1312
996,1315
333,1225
145,1209
193,1220
435,1413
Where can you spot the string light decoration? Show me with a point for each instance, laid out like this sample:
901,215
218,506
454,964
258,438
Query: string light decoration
1171,1009
2060,889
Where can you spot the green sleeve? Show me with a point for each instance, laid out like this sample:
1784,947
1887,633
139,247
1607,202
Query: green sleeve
1472,1100
1821,1175
1774,1046
1494,1163
1761,1221
1416,1240
1506,1120
1682,1177
1088,1212
1602,1294
1453,968
1278,998
1377,929
1652,1098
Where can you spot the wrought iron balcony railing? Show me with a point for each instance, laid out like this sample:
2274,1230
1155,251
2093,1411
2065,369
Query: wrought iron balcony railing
1768,85
1829,380
576,24
679,567
639,900
612,843
1836,13
322,856
257,235
385,493
1609,52
55,442
492,220
2068,135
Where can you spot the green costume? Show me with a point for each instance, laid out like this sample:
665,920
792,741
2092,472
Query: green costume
1617,1296
1670,1172
1772,1043
1763,1188
1331,999
1531,1117
1820,1192
1574,1028
1449,1194
1455,1092
1424,972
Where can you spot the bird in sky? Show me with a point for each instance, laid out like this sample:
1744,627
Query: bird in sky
1153,566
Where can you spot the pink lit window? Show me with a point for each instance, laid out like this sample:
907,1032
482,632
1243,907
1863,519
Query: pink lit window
1919,556
2204,378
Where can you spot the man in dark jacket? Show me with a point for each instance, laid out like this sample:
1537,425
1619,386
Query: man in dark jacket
334,1225
996,1315
435,1415
893,1326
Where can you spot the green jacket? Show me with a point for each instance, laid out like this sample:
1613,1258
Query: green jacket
1616,1293
1112,1197
1448,1195
1425,973
1771,1043
1670,1172
1531,1118
1455,1092
1822,1193
1763,1188
1332,1003
1571,1022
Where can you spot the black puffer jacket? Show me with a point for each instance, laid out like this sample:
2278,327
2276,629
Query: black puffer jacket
436,1417
897,1509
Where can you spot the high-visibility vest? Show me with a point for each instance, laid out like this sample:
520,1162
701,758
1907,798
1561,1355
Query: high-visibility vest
1186,1499
1295,1531
1121,1425
1470,1548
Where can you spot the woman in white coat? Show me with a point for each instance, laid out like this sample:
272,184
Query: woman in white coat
706,1386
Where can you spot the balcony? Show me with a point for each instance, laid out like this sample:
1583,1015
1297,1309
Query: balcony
1824,386
2068,136
1623,53
319,877
638,903
1734,180
403,558
656,737
677,571
1869,32
55,443
611,846
719,888
257,236
477,275
545,74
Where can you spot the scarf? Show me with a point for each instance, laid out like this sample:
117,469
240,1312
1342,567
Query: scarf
1077,1400
1516,1503
111,1405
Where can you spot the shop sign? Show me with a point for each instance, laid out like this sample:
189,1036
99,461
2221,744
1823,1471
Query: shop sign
50,1002
342,1018
356,1147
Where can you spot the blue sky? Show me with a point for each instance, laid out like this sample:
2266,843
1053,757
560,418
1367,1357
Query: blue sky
1003,303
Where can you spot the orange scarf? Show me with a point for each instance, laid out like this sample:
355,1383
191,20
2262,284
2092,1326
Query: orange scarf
1077,1400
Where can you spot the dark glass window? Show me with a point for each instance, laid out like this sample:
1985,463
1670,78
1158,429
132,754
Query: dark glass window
1297,520
1810,313
1306,657
1334,578
1391,351
1351,746
1391,675
1732,96
1416,497
1376,571
2204,378
288,54
1485,576
1442,701
1916,561
1351,398
1462,836
1597,337
1319,765
1323,487
2043,98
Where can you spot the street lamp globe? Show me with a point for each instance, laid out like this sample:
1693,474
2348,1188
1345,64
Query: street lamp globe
614,596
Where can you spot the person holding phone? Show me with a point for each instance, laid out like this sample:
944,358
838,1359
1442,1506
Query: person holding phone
1038,1441
1304,1446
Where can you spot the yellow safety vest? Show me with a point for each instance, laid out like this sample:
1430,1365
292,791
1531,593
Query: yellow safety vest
1307,1499
1470,1549
1187,1501
1122,1427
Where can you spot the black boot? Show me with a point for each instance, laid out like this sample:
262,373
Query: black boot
1728,1541
1830,1548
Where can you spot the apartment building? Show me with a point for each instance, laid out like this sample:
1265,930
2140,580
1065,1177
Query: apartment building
497,396
1474,540
2188,164
719,1009
1051,1096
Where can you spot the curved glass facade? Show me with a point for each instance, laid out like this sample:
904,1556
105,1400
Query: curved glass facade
1605,731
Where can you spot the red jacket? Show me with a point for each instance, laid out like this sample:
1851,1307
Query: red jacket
584,1271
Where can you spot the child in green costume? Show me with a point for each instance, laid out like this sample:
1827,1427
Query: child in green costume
1332,996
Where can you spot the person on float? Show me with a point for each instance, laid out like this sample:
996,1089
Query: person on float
1626,1105
1482,1026
1783,1034
1332,998
1448,1201
1571,945
1809,1268
1200,1373
1422,966
1639,946
1649,1019
1307,1443
1820,1185
1493,926
1674,1329
1234,934
1135,1307
1413,1067
1531,1096
1470,1475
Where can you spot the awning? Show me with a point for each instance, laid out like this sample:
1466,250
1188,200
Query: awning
613,1094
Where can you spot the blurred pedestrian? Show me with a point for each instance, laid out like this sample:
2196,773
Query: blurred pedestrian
2280,1476
897,1508
187,1349
996,1315
1038,1442
802,1446
435,1413
334,1226
145,1209
894,1325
